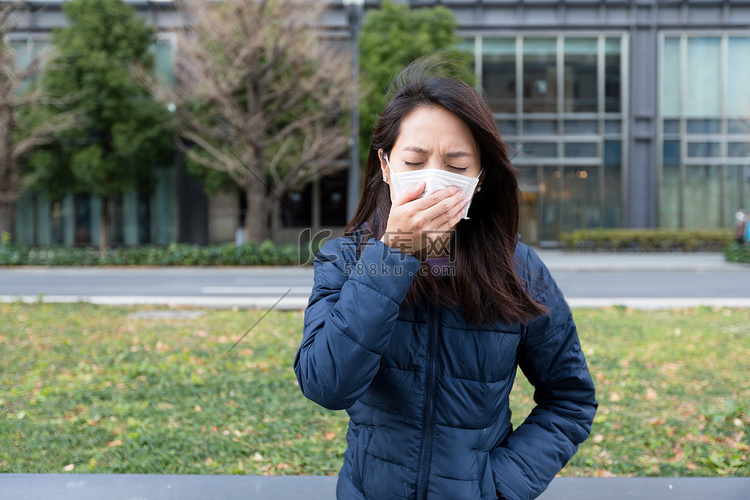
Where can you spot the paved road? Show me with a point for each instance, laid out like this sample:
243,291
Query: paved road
646,281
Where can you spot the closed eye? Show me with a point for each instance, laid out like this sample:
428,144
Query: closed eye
459,168
412,164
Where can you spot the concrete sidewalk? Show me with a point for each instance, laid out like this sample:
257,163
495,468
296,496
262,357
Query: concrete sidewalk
558,260
173,487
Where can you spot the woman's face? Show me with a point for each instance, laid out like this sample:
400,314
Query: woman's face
433,137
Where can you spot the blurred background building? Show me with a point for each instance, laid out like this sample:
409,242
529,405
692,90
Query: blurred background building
621,113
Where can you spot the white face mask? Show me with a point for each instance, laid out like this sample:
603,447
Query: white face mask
435,180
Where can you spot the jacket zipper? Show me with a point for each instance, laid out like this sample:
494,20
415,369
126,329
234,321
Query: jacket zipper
428,408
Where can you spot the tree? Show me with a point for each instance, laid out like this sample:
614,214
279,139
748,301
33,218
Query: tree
259,97
393,37
20,132
125,133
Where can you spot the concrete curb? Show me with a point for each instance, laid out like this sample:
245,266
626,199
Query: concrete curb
176,487
300,303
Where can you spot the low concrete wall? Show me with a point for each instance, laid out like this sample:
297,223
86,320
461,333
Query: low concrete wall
171,487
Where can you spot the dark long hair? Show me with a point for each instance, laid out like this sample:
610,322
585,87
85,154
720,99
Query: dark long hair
484,284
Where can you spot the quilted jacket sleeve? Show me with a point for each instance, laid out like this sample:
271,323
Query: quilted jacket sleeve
550,356
349,319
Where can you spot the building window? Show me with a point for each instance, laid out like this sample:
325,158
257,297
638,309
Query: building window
164,50
540,75
580,75
333,204
558,103
116,221
705,138
612,76
143,217
296,208
82,204
738,76
57,222
499,73
703,77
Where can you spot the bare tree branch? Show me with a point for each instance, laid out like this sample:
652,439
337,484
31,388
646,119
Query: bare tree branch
258,95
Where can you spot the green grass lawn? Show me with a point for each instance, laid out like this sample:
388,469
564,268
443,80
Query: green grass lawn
102,389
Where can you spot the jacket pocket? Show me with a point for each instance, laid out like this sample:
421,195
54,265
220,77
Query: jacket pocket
359,455
486,478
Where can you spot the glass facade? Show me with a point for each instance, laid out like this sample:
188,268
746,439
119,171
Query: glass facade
499,74
559,91
558,103
135,218
705,130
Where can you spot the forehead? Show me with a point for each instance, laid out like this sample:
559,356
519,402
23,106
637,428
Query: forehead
435,128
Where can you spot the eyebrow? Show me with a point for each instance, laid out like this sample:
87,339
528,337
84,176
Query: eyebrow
455,154
459,154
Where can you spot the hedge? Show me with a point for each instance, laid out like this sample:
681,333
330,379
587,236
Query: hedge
647,240
271,254
249,254
737,253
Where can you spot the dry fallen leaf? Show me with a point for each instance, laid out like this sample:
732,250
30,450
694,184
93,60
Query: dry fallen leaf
162,346
69,467
116,442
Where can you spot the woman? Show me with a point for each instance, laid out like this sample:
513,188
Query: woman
421,313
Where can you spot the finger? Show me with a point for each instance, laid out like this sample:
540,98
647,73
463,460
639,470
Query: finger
443,210
453,217
411,194
433,198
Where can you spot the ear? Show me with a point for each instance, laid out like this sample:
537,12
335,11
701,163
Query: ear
383,165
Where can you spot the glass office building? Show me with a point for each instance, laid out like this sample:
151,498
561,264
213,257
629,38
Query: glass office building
620,113
558,100
704,128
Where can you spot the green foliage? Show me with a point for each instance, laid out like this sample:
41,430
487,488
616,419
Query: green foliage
672,391
737,253
115,390
266,253
123,133
143,390
393,37
647,240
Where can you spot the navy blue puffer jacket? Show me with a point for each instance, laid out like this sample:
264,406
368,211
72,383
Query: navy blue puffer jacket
427,394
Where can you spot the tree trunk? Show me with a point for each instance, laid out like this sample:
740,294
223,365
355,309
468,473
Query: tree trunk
256,214
104,227
6,218
255,194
